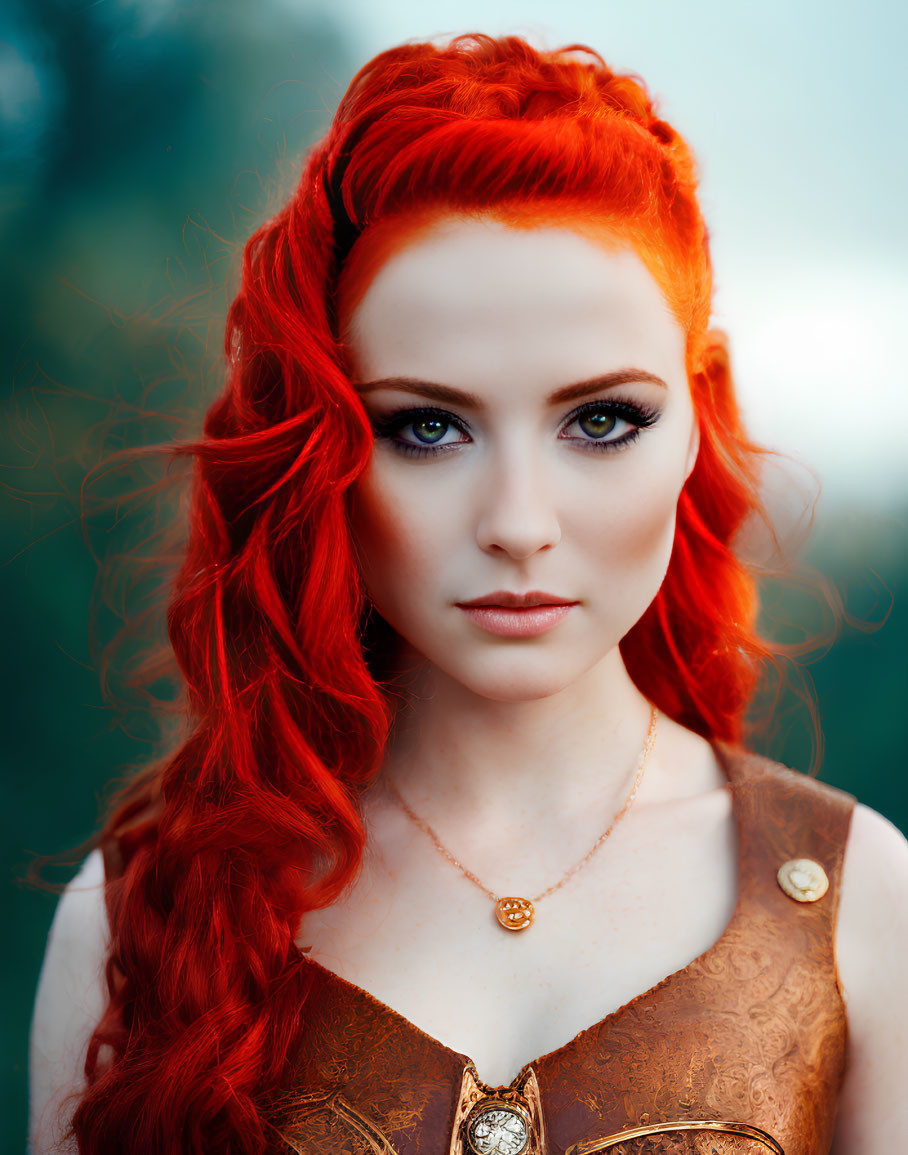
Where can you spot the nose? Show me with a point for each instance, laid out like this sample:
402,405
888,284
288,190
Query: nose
516,503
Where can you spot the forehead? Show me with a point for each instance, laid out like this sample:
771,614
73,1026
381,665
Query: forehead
464,300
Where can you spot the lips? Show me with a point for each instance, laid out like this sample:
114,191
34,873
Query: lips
522,621
508,600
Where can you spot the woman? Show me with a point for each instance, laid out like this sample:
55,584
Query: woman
467,649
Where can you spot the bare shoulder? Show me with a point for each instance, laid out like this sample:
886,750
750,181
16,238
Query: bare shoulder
874,893
871,948
70,999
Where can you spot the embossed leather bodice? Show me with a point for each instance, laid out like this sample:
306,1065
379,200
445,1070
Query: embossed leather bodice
748,1038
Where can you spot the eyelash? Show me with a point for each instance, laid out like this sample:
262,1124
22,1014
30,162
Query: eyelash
639,416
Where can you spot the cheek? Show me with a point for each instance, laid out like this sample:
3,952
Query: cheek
396,539
646,527
632,538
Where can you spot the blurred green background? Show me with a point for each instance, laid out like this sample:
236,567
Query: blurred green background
141,144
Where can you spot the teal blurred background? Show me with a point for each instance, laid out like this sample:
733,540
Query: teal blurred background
141,144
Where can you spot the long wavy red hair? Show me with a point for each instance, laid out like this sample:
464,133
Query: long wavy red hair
254,819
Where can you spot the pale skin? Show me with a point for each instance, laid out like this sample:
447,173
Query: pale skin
519,751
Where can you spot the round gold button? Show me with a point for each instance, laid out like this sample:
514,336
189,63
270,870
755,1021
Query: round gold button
803,879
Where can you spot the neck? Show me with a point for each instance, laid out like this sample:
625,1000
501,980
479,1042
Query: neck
455,755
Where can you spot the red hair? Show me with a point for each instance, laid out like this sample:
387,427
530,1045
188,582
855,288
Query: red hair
254,819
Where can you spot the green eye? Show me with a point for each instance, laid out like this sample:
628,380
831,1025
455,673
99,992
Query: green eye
435,427
598,424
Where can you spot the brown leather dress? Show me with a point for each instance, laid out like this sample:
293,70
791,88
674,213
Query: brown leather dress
741,1052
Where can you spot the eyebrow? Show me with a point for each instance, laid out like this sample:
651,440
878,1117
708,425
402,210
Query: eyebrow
451,396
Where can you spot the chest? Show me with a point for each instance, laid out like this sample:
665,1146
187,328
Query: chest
639,1004
424,941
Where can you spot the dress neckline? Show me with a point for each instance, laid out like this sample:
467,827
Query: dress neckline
726,757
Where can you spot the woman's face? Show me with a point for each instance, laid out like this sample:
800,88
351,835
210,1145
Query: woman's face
533,430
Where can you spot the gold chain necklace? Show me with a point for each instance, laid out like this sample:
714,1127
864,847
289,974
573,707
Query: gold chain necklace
518,913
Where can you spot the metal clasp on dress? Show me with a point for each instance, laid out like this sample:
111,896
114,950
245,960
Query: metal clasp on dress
498,1120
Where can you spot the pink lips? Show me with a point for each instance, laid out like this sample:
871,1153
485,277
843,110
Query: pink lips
513,615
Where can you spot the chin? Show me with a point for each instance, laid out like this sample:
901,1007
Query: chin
507,671
516,691
520,677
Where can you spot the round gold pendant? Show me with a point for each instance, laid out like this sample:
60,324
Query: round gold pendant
515,913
